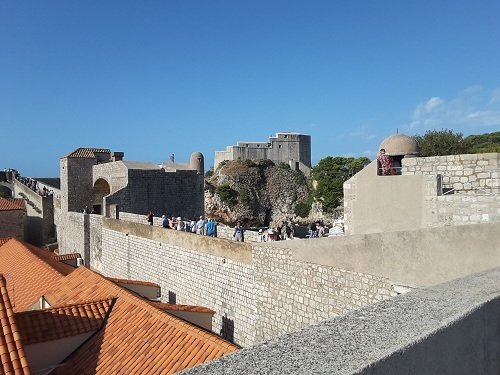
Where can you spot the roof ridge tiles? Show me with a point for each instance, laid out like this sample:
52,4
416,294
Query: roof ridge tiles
13,358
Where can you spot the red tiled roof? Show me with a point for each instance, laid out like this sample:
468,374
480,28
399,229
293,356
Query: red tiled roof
132,282
4,240
138,338
59,322
30,270
89,153
12,356
64,257
12,204
175,307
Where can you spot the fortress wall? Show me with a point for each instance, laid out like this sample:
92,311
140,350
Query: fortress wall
462,209
375,204
448,329
219,275
70,228
178,193
39,227
465,173
291,294
420,257
257,292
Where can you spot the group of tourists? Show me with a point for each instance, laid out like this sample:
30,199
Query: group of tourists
33,185
316,230
205,227
279,233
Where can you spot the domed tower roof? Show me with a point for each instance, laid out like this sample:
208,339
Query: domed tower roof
399,144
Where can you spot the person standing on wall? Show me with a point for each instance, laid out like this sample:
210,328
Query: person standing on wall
150,217
385,163
238,233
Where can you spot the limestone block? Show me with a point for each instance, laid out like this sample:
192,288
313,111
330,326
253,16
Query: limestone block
458,186
468,157
409,161
464,179
484,175
468,171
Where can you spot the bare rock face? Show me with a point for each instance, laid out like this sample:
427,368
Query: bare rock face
256,193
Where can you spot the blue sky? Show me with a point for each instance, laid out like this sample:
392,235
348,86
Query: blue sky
151,78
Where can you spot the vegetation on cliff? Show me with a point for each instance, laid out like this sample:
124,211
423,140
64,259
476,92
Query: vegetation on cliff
255,192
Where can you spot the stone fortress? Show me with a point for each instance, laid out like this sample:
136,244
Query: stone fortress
293,149
427,191
336,305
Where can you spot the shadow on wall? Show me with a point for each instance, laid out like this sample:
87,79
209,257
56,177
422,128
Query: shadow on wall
227,330
172,297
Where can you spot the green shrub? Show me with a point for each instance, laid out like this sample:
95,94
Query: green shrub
302,209
244,196
227,194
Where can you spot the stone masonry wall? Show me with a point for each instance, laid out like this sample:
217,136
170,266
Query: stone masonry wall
264,297
462,209
467,173
474,178
187,276
12,224
291,294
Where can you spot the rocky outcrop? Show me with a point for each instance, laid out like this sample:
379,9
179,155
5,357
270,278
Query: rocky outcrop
256,193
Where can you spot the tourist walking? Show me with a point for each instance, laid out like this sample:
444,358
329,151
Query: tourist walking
238,233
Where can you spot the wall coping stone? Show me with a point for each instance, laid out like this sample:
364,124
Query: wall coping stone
402,335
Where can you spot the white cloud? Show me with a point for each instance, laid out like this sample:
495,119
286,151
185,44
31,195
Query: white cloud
469,110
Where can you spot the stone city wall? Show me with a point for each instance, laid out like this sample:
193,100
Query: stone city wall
468,173
257,292
462,209
39,224
448,329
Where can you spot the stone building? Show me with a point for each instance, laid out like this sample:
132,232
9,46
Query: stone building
426,192
107,184
293,149
12,218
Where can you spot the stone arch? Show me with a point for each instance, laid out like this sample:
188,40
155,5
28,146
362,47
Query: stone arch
101,189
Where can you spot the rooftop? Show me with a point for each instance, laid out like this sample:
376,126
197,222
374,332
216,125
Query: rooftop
12,204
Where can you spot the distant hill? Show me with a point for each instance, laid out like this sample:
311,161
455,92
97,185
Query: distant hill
489,142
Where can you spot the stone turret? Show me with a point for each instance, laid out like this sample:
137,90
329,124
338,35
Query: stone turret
197,162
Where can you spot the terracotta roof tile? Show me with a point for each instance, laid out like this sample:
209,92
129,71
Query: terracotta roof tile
58,322
132,282
4,240
30,271
64,257
175,307
89,153
12,204
138,338
12,356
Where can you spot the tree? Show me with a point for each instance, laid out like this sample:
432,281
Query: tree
441,142
489,142
330,174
